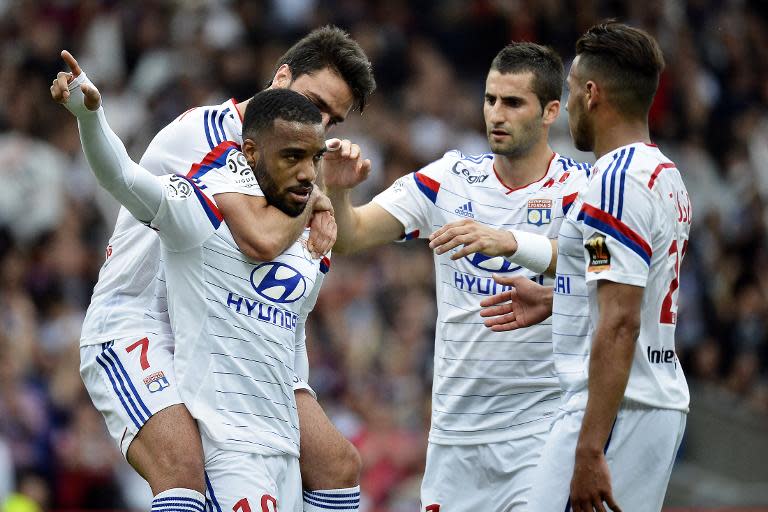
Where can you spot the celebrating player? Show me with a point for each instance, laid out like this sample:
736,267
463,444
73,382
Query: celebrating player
493,395
620,248
156,434
238,323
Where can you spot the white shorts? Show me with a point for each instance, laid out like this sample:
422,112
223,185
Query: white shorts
249,482
640,453
488,477
129,380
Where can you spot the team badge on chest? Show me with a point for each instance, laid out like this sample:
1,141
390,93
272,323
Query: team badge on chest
539,211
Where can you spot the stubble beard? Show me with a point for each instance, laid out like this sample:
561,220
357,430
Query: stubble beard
273,195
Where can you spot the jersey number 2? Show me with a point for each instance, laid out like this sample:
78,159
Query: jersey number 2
669,305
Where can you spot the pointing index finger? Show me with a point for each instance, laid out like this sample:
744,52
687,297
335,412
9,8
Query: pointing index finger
71,62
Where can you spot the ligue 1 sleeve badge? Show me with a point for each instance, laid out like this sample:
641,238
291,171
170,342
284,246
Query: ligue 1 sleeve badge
539,211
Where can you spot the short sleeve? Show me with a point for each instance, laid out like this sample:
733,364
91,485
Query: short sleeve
617,217
575,184
411,199
232,175
187,216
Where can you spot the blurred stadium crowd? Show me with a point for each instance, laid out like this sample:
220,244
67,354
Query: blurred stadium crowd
371,335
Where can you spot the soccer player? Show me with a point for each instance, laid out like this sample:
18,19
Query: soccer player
238,323
156,434
625,400
493,395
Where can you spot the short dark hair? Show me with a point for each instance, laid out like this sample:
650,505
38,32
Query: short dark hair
331,47
271,104
545,64
627,60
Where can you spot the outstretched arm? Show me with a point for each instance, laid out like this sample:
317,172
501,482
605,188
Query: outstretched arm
135,187
362,227
359,227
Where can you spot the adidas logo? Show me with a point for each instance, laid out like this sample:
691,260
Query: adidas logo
465,210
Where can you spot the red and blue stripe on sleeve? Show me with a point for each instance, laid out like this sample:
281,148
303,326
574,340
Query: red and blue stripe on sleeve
325,264
610,225
217,157
210,209
568,202
427,186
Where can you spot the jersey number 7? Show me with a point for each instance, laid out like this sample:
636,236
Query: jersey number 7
144,344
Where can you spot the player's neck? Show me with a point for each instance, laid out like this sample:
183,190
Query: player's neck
241,107
524,170
618,132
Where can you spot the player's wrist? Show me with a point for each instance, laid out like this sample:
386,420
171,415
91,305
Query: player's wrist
77,100
532,251
510,243
589,449
335,190
546,293
337,196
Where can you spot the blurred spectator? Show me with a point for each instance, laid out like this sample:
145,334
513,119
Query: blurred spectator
32,495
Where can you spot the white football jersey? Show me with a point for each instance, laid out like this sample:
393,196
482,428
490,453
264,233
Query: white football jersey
488,386
629,225
128,300
236,323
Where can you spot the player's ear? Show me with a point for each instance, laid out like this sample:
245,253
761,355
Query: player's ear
592,94
551,111
283,77
251,151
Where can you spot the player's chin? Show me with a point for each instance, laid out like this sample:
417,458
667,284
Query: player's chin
582,142
508,148
292,208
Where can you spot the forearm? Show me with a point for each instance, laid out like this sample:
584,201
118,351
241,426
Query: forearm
275,231
133,186
610,362
347,237
261,231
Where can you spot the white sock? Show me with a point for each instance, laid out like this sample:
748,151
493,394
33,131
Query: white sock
338,500
178,500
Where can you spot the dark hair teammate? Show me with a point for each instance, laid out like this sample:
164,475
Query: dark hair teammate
166,454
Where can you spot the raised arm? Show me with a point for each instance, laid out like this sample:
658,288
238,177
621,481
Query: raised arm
133,186
359,227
